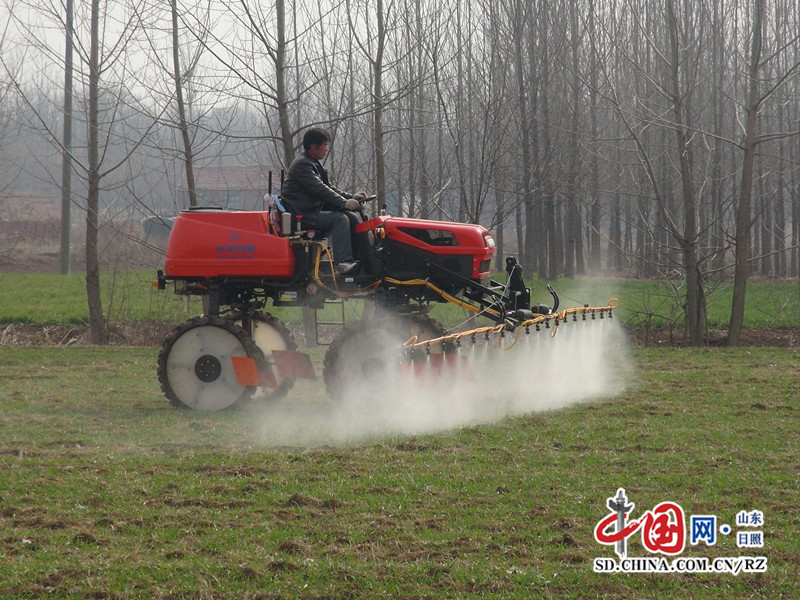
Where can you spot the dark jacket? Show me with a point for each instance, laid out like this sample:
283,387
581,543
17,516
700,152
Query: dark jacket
307,189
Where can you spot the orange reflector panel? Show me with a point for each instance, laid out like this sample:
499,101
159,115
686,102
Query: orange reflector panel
293,365
246,370
266,379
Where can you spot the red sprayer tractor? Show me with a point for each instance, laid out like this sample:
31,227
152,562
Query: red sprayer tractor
240,261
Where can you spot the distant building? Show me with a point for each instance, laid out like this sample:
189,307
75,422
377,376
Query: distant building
230,187
30,207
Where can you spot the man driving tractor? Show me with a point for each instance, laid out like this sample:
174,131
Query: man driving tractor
307,193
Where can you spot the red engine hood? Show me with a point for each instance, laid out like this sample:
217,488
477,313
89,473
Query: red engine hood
438,237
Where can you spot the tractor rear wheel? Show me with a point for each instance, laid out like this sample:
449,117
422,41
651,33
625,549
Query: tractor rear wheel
196,366
362,356
270,334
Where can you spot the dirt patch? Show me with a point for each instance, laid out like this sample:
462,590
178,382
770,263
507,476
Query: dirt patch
35,247
132,333
777,338
145,333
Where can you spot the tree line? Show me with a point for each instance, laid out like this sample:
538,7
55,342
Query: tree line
658,137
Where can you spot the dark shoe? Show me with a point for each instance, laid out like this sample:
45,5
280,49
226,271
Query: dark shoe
346,267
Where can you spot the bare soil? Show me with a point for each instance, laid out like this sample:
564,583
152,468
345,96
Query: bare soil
121,334
35,247
137,333
664,336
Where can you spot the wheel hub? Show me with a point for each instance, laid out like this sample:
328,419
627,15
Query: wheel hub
208,368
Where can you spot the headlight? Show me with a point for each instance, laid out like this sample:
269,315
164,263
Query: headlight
487,239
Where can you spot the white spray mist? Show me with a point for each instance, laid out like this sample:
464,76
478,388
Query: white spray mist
583,360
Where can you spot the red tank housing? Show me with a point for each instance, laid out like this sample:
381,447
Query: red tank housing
209,243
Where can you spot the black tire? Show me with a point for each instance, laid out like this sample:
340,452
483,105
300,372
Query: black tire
364,355
195,368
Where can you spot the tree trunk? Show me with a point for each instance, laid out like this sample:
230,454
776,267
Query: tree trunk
794,256
280,83
525,229
573,249
422,177
742,232
499,233
380,157
765,218
66,151
614,260
97,323
779,230
188,155
717,188
695,296
595,251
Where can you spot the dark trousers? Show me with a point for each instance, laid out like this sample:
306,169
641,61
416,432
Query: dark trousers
341,226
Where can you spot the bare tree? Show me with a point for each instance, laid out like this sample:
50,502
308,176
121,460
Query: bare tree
755,98
373,47
573,254
9,104
757,94
688,238
674,86
100,60
252,50
105,103
183,125
184,94
8,107
520,16
66,170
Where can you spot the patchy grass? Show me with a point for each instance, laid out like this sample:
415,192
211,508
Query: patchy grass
107,492
54,299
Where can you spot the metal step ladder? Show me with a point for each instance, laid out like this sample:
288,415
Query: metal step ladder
340,322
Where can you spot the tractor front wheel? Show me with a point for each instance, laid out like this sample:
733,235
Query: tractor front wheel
364,357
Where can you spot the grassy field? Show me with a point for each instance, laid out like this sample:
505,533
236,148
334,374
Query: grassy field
107,492
49,298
